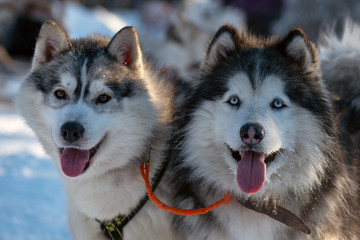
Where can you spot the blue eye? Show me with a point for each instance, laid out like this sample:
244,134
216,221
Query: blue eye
234,101
278,104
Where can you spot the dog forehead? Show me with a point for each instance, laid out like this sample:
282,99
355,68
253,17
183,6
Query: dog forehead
98,85
68,80
250,87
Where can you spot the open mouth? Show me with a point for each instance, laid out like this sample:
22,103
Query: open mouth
268,159
251,172
76,161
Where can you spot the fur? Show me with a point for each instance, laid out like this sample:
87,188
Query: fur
298,13
104,85
274,83
340,63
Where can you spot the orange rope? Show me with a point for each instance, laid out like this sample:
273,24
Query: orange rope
144,168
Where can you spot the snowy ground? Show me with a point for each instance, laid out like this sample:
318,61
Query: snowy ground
32,197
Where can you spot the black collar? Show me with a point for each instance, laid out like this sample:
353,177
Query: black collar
280,214
113,229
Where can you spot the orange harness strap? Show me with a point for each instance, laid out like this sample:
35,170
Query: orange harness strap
144,168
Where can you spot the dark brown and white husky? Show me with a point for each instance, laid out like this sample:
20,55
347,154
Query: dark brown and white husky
260,125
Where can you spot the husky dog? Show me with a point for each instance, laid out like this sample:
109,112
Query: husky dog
340,64
97,110
260,126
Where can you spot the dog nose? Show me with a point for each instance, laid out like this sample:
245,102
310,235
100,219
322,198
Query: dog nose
72,131
252,133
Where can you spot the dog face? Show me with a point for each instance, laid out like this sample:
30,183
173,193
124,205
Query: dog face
256,105
252,127
83,95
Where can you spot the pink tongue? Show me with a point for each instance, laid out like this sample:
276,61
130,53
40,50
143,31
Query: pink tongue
73,161
251,171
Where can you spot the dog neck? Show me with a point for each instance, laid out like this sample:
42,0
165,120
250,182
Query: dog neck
113,229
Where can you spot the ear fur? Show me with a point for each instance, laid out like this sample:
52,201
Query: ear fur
125,47
225,40
297,46
51,42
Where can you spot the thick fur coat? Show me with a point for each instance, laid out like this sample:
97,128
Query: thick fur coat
340,64
97,108
260,125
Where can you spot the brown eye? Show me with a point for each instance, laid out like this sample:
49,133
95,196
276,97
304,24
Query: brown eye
103,98
60,94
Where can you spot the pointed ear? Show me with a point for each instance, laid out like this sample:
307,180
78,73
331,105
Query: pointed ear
297,46
51,42
224,41
125,47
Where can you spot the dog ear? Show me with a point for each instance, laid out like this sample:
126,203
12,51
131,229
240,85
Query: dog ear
224,41
51,42
298,47
125,47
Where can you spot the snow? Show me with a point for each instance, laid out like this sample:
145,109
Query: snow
32,197
81,22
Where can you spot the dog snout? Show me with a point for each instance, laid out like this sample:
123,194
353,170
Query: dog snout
72,131
252,133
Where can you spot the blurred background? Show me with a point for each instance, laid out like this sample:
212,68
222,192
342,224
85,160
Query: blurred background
172,33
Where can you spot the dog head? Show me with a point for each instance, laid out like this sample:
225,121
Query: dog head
87,101
259,114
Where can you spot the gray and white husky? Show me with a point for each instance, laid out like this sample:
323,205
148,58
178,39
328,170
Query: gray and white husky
97,110
260,126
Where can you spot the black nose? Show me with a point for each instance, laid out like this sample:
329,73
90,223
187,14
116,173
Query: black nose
252,133
72,131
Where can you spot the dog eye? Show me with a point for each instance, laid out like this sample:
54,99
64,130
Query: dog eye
103,98
278,104
234,101
60,94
